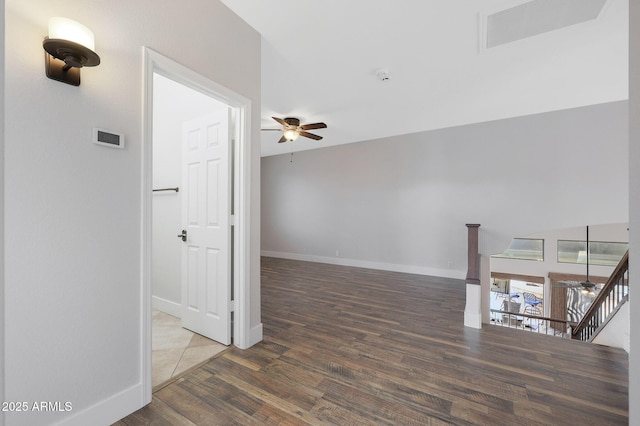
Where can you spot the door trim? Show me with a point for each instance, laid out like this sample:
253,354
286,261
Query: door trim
241,128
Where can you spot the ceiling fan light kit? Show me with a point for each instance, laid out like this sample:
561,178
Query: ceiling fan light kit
291,134
292,130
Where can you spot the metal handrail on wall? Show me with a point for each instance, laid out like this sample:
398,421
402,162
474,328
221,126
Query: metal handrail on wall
613,292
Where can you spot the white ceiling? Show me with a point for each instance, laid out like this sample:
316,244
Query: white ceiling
320,58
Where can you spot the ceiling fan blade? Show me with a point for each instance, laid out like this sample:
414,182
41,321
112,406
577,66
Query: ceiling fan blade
270,130
281,121
313,126
282,139
310,135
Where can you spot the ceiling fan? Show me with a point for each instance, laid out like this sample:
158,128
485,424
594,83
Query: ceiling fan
292,129
588,287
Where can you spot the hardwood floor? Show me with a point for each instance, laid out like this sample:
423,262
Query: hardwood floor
356,346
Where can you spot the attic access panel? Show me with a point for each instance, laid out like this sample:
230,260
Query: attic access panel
537,17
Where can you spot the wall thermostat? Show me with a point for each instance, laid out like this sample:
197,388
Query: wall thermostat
106,138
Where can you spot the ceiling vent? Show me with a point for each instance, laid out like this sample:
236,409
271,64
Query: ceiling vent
537,17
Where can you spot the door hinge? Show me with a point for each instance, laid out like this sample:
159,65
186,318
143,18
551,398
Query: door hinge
232,220
232,306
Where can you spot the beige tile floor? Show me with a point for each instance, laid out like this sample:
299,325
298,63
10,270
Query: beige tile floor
176,349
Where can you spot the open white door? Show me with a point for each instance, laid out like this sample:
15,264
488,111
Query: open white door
206,261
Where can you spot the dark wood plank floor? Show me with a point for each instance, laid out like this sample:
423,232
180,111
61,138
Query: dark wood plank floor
357,346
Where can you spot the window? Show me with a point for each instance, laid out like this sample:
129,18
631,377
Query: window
600,253
524,249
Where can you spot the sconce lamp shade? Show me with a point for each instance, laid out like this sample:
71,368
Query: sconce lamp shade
73,44
67,29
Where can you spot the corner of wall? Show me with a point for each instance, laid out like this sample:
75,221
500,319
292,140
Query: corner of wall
634,207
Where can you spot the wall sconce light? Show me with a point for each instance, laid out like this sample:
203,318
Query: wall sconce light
68,48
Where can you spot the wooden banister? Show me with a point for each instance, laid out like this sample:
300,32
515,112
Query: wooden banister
537,317
615,289
473,307
473,263
536,323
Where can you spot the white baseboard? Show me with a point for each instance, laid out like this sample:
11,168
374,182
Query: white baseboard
255,334
110,410
166,306
409,269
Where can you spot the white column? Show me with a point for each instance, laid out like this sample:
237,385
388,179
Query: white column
472,310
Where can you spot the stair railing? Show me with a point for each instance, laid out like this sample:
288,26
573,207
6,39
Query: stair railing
612,293
533,323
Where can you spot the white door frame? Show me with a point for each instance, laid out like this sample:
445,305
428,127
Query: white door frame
241,128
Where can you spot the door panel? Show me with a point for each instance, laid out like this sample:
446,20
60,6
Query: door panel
192,278
191,187
213,295
213,203
206,208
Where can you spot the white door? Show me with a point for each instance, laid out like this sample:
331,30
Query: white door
206,257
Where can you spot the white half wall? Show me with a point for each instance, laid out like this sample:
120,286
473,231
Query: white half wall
472,309
404,201
73,221
616,332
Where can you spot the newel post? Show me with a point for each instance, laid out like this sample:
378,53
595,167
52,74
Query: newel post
473,310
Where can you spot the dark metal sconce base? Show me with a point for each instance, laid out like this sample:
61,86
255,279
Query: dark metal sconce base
55,69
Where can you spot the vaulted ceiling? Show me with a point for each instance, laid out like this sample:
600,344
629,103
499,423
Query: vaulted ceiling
321,60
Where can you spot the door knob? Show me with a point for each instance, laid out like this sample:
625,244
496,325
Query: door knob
183,235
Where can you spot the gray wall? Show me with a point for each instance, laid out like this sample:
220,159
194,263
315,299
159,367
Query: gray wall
2,208
73,220
634,211
402,203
